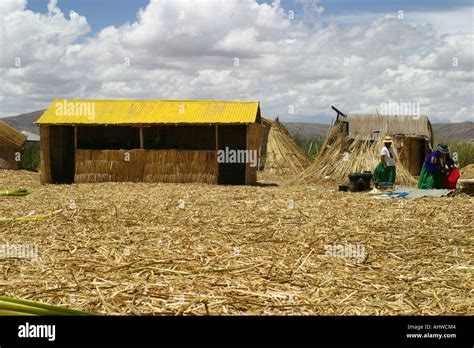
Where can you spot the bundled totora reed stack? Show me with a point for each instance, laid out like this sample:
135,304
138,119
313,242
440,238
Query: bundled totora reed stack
283,156
181,166
340,156
176,166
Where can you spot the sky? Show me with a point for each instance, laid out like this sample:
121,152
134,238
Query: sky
297,57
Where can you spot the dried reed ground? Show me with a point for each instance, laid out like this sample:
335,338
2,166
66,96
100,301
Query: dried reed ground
128,248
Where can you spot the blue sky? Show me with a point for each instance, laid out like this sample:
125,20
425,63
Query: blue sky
99,13
103,13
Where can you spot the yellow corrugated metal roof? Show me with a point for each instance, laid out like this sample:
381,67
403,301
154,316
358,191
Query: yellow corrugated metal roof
148,112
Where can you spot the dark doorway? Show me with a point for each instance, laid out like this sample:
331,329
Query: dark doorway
418,148
180,137
108,138
233,138
61,142
424,152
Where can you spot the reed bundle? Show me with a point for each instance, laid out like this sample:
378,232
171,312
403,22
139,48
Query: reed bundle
14,306
284,156
177,166
16,192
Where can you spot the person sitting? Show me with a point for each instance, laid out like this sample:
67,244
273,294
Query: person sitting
436,168
385,171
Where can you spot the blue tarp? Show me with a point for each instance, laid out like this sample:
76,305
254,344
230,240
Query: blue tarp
413,193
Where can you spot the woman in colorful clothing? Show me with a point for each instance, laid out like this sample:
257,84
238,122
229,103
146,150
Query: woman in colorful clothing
438,165
385,171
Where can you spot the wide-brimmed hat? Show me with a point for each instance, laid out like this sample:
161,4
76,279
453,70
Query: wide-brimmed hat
443,148
387,139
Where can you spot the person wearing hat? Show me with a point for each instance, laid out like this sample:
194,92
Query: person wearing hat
385,171
436,168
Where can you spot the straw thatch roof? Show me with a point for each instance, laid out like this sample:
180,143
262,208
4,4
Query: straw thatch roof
388,124
266,122
10,137
284,156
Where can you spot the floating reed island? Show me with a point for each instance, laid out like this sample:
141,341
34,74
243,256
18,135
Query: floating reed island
124,248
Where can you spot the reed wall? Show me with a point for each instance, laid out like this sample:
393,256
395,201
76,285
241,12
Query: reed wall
177,166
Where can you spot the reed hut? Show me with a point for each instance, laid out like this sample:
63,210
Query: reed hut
150,141
11,147
267,125
353,145
283,155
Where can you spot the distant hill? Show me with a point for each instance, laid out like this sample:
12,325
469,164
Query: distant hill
24,122
442,131
307,130
454,131
462,132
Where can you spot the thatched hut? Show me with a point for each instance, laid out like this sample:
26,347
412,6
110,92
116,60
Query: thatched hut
413,135
150,140
353,144
283,155
267,125
11,146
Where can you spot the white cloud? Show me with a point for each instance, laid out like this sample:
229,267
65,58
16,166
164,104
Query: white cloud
459,20
311,8
7,6
52,6
187,50
37,38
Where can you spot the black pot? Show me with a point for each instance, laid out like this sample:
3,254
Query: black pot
359,181
361,185
343,188
354,176
366,176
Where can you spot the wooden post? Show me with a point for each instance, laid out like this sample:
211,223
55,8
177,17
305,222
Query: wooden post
142,145
75,138
45,172
61,154
254,135
217,149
